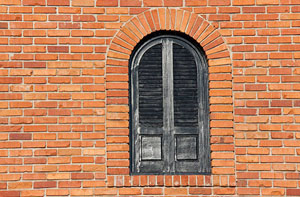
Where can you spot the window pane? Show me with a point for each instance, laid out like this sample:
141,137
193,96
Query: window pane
185,87
150,88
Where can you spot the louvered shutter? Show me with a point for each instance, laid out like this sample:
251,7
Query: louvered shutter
149,138
190,154
170,130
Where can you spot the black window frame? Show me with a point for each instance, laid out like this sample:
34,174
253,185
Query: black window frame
203,140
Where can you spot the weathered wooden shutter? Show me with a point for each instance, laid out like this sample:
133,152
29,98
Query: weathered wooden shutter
189,130
148,101
170,132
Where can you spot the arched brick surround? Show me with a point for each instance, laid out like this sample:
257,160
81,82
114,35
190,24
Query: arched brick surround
221,119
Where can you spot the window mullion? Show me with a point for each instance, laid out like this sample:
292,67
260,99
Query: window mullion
168,103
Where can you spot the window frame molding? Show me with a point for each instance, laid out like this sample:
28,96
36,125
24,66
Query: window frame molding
203,96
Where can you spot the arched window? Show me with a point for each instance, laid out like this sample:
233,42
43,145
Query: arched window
169,107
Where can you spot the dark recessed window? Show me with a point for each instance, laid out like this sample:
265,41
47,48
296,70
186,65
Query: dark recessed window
169,107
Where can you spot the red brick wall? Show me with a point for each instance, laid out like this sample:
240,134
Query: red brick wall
64,95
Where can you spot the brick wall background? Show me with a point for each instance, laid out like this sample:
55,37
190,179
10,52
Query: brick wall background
64,95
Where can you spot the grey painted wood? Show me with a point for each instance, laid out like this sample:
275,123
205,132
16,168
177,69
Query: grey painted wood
186,147
151,148
168,103
136,142
185,88
150,91
181,144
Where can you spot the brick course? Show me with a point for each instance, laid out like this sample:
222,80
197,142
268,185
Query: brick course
64,106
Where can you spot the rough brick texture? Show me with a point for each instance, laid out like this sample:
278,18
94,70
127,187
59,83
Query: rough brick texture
64,122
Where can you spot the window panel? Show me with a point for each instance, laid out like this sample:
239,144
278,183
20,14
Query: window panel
186,147
151,148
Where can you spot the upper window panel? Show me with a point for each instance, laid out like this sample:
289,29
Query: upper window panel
169,108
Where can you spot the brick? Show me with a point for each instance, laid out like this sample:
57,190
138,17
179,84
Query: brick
69,168
223,191
94,10
105,3
242,3
48,184
57,192
271,143
32,193
130,191
9,161
84,18
58,49
11,193
9,80
245,111
173,3
21,25
253,9
20,185
90,184
58,2
82,176
281,103
107,191
153,3
35,161
34,2
81,3
217,3
259,40
81,192
45,88
292,192
11,96
257,103
130,3
19,136
258,87
69,184
248,191
20,169
34,144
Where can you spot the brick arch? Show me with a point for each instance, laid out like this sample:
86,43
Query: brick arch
168,19
117,103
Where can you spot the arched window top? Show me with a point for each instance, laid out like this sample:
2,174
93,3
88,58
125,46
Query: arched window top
191,46
169,108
